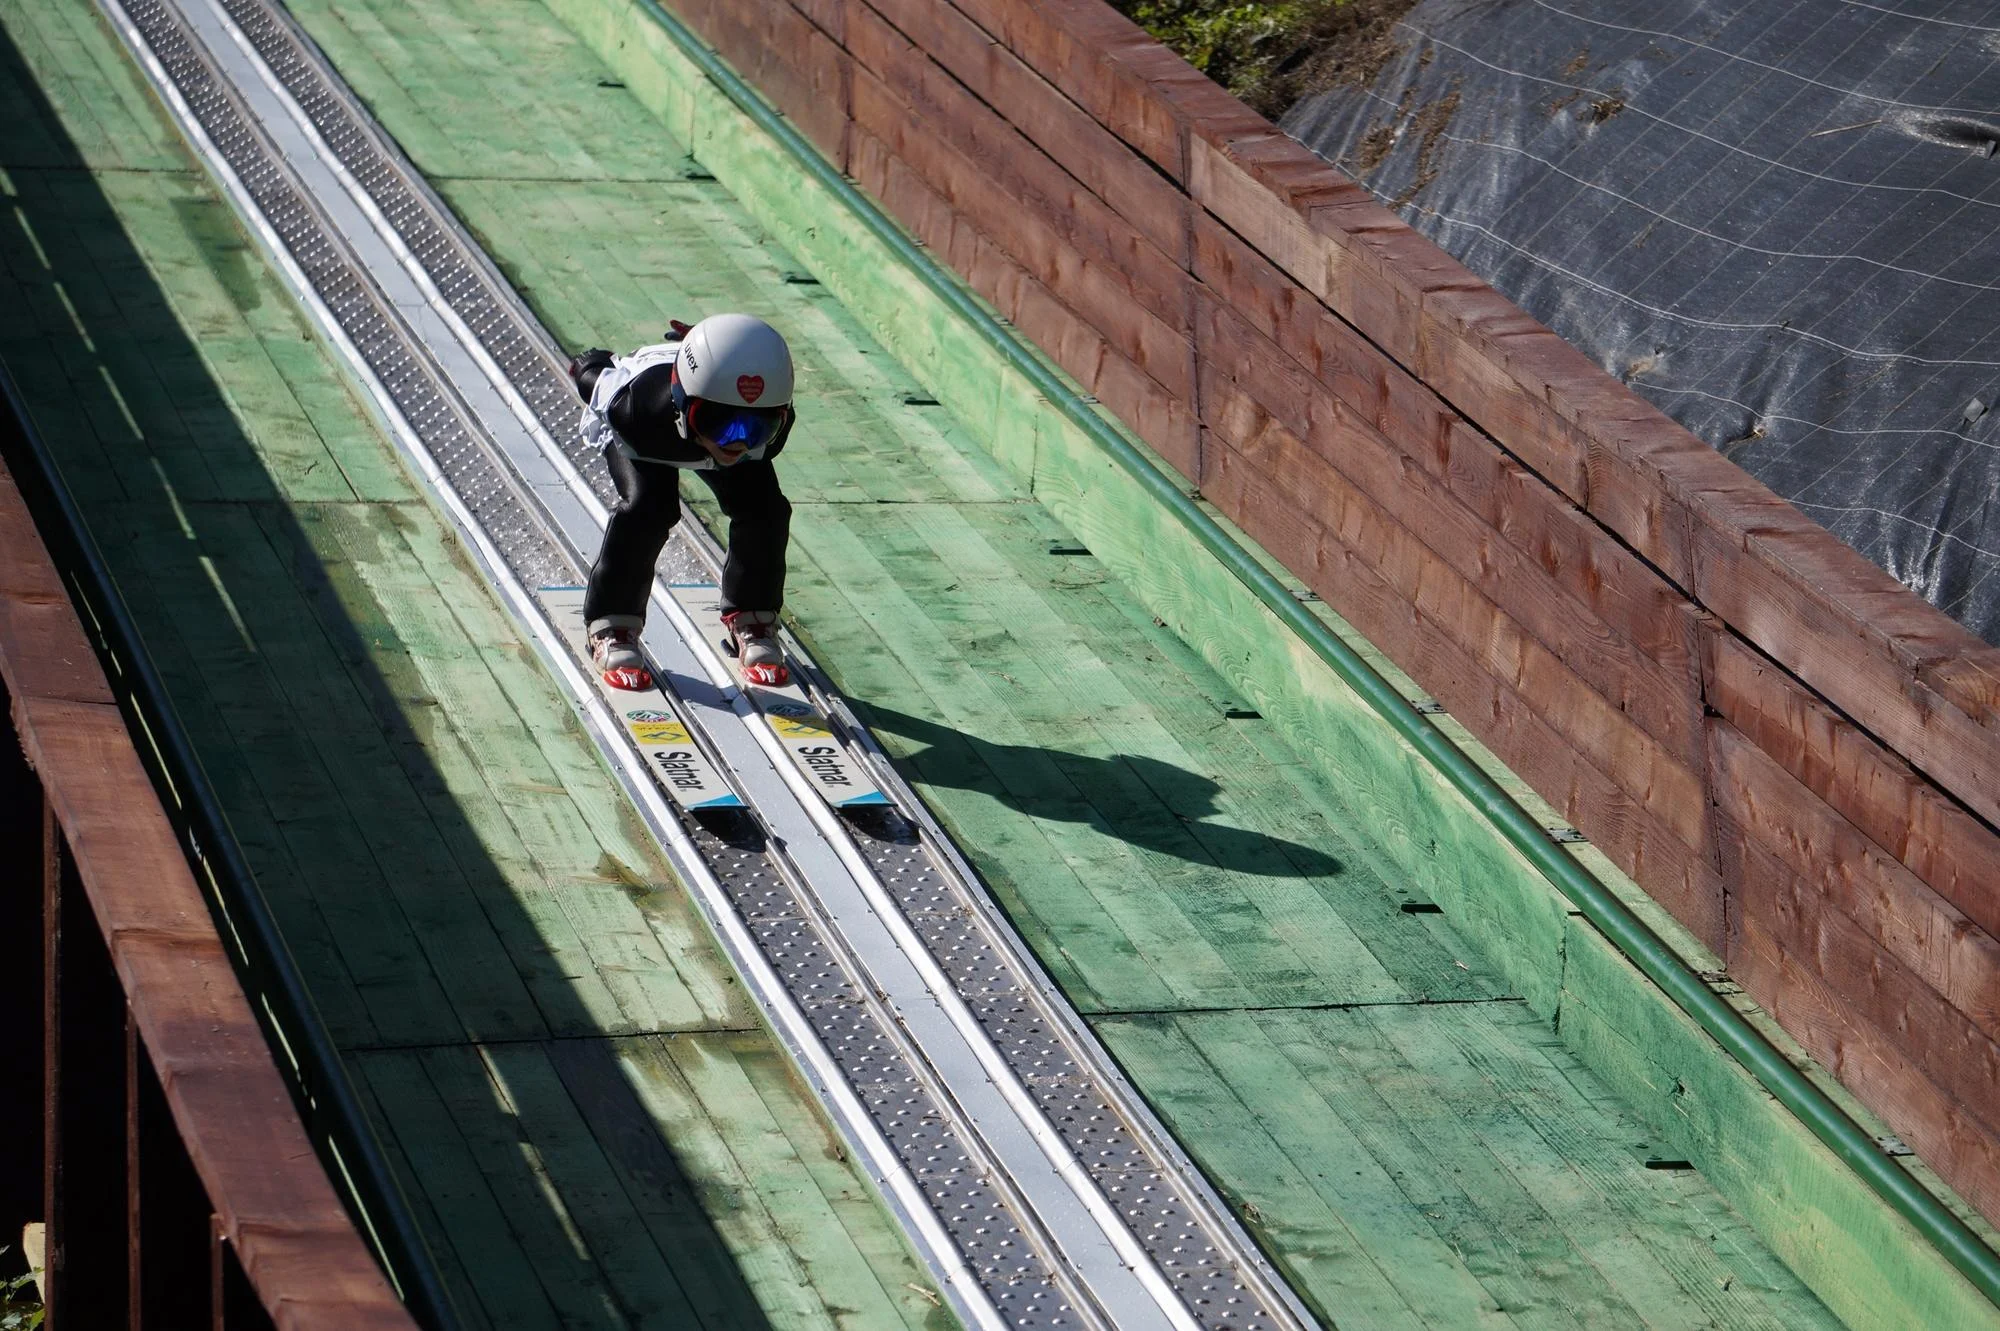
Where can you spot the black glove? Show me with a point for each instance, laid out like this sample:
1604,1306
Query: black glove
584,369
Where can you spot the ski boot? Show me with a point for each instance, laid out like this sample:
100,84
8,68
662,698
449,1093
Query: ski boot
753,641
614,649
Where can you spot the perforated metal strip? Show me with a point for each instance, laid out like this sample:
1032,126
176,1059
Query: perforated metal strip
1145,1181
1209,1264
1011,1267
436,243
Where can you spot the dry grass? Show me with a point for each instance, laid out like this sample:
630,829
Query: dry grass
1272,55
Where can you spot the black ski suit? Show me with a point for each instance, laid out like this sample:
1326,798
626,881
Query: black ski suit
643,415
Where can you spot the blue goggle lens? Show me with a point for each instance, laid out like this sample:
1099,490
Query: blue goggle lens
725,426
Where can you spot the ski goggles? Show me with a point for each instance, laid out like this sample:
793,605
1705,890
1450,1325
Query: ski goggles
733,429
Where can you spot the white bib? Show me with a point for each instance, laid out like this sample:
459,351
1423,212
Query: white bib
596,425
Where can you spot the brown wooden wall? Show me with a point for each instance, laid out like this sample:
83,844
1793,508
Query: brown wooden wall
1791,752
180,1187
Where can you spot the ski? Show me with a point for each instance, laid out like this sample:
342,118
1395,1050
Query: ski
651,720
810,738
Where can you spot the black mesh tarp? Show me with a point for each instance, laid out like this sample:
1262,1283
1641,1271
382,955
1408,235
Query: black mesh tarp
1777,220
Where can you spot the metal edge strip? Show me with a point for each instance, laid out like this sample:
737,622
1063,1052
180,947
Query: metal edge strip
1058,1152
961,1286
1214,1213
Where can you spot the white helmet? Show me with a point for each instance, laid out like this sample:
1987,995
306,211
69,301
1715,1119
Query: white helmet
736,360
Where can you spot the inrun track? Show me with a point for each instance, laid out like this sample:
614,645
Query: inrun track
1264,987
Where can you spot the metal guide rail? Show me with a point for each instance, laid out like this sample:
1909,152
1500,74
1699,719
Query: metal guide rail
1032,1179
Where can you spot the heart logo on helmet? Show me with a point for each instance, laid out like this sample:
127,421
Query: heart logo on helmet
750,387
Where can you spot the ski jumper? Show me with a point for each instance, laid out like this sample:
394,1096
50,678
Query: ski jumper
630,414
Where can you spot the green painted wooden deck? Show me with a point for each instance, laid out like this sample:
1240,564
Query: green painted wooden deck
596,1131
596,1128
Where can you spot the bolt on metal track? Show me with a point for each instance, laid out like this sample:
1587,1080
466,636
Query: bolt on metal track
1030,1176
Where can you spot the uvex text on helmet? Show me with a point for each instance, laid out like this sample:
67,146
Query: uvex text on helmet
736,359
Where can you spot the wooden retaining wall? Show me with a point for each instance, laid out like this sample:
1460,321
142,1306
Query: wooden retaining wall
1792,753
179,1186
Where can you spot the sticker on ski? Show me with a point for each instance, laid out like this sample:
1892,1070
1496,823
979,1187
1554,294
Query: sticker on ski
650,721
809,738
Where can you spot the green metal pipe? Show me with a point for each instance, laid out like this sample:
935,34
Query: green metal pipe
1646,950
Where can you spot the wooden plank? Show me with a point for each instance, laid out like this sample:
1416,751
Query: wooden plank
1566,544
1502,1214
1955,854
330,690
43,650
1588,1160
1140,317
1251,887
1926,1071
1770,584
645,1178
1607,777
174,241
1895,992
1147,201
360,975
354,39
1270,786
597,1209
1479,881
1259,401
1969,676
1116,938
1039,869
1842,871
1056,226
885,1257
235,1116
51,115
1860,1258
994,694
1842,625
469,53
1481,352
461,134
1130,83
1090,348
350,440
232,1109
1466,1155
790,62
1287,230
565,905
652,944
641,1126
1660,488
114,827
1073,344
304,709
501,1239
755,1222
1343,1237
72,100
